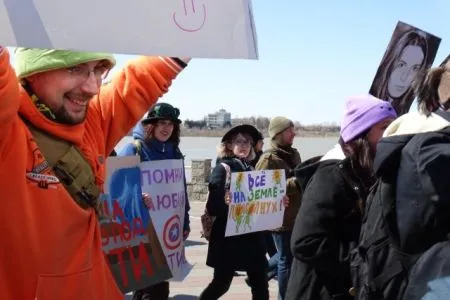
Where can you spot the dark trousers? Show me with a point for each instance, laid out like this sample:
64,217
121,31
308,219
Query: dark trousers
159,291
222,280
270,244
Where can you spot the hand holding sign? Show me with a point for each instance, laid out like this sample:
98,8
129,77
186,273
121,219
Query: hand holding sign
227,197
147,200
191,17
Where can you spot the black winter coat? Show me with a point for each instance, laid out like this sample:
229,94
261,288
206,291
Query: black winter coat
241,252
422,202
325,231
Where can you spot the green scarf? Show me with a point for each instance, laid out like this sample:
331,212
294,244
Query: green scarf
41,106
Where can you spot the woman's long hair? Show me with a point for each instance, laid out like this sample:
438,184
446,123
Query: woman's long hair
427,90
174,138
361,156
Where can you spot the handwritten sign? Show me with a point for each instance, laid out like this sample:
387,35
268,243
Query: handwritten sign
256,201
194,28
163,180
129,240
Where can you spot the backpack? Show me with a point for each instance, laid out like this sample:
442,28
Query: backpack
70,166
379,269
208,220
305,170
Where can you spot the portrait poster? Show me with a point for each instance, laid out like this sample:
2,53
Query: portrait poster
129,239
410,53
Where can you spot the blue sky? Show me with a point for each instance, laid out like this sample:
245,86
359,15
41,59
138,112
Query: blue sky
312,55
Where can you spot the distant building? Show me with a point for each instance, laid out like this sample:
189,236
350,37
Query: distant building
220,119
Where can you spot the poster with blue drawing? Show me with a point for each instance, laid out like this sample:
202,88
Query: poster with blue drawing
163,181
129,238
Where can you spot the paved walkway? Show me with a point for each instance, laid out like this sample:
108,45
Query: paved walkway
201,275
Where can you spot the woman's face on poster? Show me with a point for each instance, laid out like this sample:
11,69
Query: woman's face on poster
405,70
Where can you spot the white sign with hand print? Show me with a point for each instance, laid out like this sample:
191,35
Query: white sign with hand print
183,28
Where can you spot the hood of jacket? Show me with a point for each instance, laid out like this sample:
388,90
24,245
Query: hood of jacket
400,132
153,149
307,168
334,153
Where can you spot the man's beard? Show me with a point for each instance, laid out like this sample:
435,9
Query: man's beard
61,114
62,117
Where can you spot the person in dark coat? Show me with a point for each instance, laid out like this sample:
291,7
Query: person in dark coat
327,225
236,253
422,198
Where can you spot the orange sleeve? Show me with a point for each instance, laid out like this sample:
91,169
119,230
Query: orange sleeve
131,93
9,96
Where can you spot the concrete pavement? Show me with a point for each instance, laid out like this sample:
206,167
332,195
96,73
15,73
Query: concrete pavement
201,275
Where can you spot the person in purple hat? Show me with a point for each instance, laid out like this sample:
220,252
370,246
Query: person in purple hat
328,223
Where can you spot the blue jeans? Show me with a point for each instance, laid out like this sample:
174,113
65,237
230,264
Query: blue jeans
273,266
283,243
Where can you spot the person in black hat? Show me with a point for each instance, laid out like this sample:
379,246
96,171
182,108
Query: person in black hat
257,148
245,252
157,137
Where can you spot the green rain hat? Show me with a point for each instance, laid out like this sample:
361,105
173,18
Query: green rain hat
31,61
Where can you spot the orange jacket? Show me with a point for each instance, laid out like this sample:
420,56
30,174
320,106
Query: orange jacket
51,248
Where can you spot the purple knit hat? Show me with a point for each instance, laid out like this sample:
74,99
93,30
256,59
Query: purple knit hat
361,113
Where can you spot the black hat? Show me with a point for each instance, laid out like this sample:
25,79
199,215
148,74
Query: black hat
245,128
162,111
260,136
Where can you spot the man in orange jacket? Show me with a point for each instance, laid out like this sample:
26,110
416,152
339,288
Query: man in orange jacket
52,245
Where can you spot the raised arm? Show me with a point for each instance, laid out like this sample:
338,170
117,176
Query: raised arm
121,103
9,97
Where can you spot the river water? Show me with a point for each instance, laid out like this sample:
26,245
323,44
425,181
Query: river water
206,147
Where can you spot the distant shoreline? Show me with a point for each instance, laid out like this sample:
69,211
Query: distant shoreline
327,132
322,132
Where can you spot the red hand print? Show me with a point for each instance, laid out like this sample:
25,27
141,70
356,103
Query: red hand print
192,20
